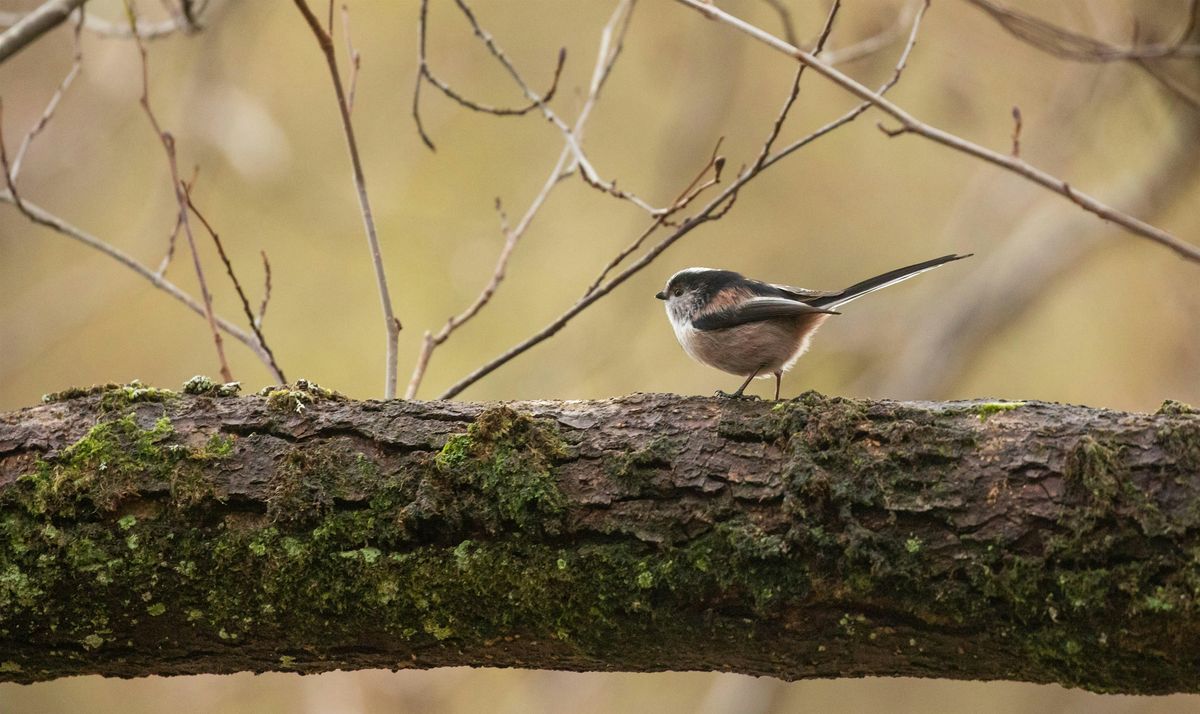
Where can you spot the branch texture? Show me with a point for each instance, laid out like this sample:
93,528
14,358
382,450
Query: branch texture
144,532
37,23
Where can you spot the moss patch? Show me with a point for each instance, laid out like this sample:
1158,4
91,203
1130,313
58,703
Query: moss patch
297,397
113,397
507,458
990,409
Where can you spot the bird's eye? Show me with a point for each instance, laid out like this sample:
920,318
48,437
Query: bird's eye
677,292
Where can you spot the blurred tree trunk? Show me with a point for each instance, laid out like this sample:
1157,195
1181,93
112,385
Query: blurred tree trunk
143,532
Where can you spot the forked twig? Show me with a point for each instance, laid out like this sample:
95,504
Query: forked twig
168,143
40,216
795,92
910,124
715,209
255,324
391,324
616,27
424,74
52,105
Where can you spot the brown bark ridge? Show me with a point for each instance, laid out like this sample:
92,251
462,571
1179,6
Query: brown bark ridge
147,532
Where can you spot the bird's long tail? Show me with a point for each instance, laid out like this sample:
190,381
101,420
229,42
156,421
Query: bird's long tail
879,282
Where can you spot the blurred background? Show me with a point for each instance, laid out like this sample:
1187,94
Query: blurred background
1056,304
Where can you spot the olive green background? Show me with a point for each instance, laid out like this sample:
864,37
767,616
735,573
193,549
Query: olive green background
250,103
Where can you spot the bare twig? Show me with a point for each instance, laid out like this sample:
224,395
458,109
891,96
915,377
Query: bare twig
170,254
37,23
392,325
586,170
42,217
857,111
425,74
874,43
237,285
168,143
262,308
186,21
52,105
716,208
715,164
795,92
1016,134
173,238
618,23
355,58
910,124
431,340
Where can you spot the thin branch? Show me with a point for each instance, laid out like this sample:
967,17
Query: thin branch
605,59
42,217
262,308
147,30
1016,134
714,210
874,43
52,105
795,92
586,170
857,111
911,124
425,74
703,216
391,323
173,239
715,164
355,58
237,285
168,143
46,17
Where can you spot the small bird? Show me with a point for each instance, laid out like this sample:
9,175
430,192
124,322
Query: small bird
755,329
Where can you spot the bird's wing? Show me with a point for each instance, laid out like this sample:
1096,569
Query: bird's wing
756,310
803,293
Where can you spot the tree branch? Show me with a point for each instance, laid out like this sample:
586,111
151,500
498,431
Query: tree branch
152,533
391,322
181,200
46,17
714,210
910,124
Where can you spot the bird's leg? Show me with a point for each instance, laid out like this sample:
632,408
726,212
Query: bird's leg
778,379
738,394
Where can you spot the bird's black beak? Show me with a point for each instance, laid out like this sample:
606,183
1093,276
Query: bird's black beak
660,295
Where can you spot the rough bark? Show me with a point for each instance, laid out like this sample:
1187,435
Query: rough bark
143,532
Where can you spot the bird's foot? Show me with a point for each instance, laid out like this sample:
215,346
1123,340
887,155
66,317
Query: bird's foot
736,395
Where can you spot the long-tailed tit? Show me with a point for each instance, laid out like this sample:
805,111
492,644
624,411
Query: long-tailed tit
755,329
